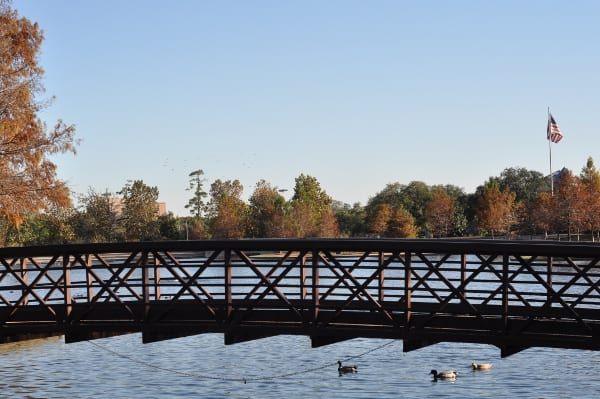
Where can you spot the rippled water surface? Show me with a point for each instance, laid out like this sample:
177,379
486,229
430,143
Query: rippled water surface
285,367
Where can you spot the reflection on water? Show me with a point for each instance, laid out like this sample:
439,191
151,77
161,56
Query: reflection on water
30,344
201,366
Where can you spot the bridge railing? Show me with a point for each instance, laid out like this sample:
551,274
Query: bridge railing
391,288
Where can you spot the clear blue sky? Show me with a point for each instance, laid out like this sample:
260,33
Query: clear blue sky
355,93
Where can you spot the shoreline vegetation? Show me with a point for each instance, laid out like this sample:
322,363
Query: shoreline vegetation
517,205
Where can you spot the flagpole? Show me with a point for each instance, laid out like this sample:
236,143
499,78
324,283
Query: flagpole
550,154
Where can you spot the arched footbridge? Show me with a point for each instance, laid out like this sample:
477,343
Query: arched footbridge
511,294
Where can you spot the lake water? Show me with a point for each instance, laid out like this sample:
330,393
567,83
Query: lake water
286,367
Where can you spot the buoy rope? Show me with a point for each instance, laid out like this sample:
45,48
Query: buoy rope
237,379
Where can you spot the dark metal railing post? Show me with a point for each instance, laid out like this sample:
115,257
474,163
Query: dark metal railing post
156,273
67,287
145,284
315,285
303,277
381,260
407,290
23,266
550,266
88,278
505,263
228,293
463,274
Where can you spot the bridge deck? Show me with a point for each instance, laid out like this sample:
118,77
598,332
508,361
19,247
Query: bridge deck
510,294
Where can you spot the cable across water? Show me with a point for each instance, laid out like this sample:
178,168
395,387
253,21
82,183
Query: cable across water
237,379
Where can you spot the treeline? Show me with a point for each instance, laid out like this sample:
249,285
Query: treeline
518,202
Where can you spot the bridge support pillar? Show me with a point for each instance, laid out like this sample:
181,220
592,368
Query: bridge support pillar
411,344
237,338
508,350
318,341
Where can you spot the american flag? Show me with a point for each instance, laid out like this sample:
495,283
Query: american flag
553,132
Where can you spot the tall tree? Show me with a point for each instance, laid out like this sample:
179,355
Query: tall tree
389,221
496,209
350,219
414,198
311,212
461,202
196,204
51,227
590,175
380,219
411,197
140,211
391,194
170,228
525,184
28,178
328,226
542,214
99,219
440,213
590,178
402,224
569,203
227,212
266,211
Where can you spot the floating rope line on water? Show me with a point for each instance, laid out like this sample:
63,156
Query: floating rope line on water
236,379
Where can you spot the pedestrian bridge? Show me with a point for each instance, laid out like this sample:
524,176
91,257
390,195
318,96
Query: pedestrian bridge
511,294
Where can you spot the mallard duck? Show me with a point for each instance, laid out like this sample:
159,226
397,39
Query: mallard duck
346,369
444,375
481,366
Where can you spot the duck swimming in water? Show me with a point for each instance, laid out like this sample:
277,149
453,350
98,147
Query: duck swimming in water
444,375
481,366
346,369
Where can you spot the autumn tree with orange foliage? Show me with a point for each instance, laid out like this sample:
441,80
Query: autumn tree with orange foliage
570,202
439,213
590,178
541,215
402,224
496,210
390,221
379,223
573,208
28,179
227,212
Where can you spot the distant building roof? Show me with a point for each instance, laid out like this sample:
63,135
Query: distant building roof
117,205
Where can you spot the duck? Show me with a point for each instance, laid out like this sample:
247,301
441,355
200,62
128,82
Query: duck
444,375
346,369
481,366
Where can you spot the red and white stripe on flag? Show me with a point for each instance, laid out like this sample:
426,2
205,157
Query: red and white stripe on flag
553,132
